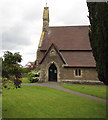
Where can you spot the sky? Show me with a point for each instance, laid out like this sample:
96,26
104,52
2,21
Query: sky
21,22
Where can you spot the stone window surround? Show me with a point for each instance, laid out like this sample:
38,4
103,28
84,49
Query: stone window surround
81,72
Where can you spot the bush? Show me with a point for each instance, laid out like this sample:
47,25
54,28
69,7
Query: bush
33,76
5,82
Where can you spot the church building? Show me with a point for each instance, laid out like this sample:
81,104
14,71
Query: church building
64,53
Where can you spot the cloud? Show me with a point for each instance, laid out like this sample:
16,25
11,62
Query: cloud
69,12
14,37
21,22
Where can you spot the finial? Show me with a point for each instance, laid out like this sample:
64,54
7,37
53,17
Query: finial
46,3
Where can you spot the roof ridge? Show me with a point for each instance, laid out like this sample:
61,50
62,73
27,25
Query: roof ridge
70,26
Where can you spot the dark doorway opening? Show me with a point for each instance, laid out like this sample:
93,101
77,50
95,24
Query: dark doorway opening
52,73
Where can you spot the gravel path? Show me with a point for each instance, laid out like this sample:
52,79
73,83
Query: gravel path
57,86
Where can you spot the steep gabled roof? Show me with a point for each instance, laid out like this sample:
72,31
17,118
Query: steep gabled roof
67,38
72,45
52,45
79,59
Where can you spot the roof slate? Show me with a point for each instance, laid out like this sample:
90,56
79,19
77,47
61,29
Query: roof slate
79,59
67,38
72,43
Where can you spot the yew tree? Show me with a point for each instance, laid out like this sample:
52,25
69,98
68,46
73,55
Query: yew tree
98,16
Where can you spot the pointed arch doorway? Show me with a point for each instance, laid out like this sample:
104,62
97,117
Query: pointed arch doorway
52,73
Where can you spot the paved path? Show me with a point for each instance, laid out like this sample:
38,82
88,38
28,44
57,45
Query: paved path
57,86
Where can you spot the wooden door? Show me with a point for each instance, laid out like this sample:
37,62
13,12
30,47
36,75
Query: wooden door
52,73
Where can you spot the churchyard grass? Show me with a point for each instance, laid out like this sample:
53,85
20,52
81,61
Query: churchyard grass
94,90
0,105
44,102
25,80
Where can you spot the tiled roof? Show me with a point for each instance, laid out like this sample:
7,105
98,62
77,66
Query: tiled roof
79,59
72,43
67,38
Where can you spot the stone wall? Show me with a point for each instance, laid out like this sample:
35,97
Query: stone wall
50,59
64,74
86,74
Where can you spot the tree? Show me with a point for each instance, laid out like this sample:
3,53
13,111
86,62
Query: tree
98,16
0,66
10,65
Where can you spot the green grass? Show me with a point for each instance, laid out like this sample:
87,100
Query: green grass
25,80
44,102
99,91
0,105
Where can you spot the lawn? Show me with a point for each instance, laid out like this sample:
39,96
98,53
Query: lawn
44,102
0,105
25,80
99,91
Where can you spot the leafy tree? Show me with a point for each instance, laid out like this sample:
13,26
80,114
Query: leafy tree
10,65
98,15
24,70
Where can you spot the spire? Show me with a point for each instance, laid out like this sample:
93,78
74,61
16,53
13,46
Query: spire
45,19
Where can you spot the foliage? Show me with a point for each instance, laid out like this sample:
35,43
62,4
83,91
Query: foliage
17,83
25,70
4,83
0,66
10,65
98,15
34,76
43,102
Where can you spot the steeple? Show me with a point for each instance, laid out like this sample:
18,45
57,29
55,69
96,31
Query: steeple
45,18
45,24
45,29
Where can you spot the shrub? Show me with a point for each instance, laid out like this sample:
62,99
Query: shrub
33,76
4,82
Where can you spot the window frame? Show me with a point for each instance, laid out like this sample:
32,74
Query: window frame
78,72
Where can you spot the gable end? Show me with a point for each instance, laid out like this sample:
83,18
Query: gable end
52,53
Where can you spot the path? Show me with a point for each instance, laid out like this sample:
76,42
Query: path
57,86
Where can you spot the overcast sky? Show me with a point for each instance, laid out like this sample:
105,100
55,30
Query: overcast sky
21,22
